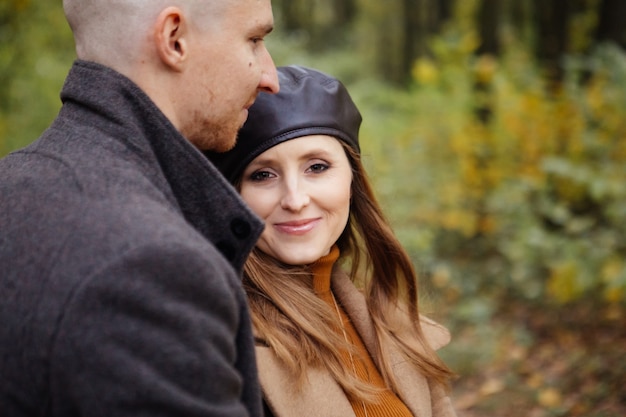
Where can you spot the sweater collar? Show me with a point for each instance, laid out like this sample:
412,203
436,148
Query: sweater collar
322,271
120,109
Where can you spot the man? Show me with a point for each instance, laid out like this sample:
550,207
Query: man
120,244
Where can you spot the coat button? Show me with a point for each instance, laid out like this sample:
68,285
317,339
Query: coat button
240,228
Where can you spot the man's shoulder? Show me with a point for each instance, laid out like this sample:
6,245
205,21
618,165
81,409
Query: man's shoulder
61,217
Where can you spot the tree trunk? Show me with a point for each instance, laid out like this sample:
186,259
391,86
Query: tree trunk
443,12
345,11
611,25
552,17
488,26
288,10
413,34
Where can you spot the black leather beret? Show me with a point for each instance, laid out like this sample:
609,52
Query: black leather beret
309,103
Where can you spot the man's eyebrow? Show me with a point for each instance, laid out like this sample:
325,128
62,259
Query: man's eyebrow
261,30
267,28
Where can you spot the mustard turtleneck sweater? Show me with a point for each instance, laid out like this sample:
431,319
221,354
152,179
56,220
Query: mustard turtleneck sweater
388,404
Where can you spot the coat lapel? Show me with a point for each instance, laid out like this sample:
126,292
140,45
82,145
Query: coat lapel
321,396
412,386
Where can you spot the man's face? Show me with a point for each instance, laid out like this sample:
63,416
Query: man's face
232,65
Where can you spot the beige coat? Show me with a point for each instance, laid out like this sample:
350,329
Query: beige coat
323,397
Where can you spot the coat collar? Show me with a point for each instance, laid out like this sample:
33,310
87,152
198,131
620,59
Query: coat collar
117,107
285,400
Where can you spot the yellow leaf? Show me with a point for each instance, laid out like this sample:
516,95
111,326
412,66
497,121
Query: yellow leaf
535,380
562,284
614,295
491,386
425,71
486,67
550,398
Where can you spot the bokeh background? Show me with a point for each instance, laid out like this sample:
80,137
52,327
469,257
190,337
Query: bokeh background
495,134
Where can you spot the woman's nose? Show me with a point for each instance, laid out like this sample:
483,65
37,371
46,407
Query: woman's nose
295,198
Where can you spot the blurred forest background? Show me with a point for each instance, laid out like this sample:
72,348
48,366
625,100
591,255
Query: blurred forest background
495,134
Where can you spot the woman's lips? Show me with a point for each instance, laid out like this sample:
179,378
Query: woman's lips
299,227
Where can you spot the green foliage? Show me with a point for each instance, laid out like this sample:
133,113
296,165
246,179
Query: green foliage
36,50
511,198
530,203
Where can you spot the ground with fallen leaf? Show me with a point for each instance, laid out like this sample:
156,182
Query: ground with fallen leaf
541,363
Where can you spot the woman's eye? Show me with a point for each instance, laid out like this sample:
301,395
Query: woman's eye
319,167
260,175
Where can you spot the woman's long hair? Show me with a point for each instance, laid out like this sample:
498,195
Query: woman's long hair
296,324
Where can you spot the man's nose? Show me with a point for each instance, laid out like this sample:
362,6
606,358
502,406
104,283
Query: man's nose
269,76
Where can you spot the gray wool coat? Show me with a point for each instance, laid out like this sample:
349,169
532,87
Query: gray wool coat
121,249
322,396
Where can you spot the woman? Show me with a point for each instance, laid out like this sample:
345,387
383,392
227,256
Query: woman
324,347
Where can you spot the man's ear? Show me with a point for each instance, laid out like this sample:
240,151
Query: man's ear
170,36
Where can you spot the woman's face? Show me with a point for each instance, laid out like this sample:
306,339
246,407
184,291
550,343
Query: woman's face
301,189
